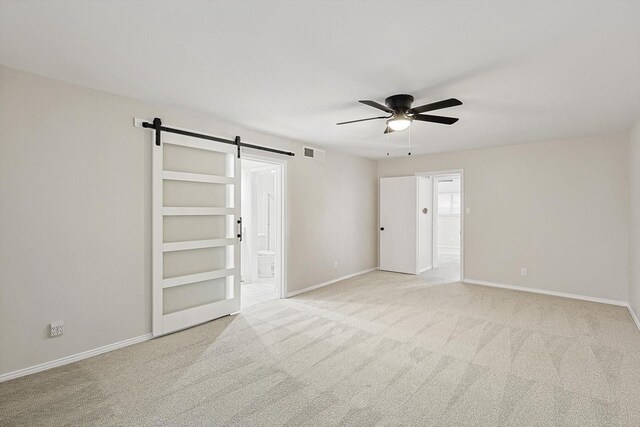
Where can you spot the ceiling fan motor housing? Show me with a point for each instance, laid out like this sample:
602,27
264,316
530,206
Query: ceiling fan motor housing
400,103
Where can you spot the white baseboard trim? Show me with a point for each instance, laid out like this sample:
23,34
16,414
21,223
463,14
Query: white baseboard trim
73,358
633,316
330,282
425,269
545,292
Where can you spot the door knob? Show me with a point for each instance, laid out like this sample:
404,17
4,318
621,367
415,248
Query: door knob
381,228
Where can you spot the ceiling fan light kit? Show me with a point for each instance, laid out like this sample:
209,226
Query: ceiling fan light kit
402,115
399,123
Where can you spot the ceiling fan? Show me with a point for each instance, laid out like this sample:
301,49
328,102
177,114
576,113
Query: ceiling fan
401,115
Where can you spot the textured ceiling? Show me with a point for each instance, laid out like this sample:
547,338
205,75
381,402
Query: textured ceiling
526,71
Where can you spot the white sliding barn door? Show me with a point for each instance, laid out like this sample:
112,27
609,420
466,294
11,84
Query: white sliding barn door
196,251
398,224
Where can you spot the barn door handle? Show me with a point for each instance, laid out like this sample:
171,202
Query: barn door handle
240,228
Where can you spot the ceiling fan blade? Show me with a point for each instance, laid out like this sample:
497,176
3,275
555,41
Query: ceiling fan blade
388,130
435,119
362,120
378,106
451,102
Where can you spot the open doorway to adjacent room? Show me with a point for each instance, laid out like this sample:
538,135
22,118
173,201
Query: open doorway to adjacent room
443,230
447,226
262,230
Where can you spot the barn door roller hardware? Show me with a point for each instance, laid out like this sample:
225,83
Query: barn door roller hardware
157,126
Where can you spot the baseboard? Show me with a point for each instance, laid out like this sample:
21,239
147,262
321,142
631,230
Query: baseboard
73,358
135,340
330,282
425,269
633,316
545,292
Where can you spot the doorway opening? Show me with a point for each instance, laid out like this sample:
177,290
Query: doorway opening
447,232
262,230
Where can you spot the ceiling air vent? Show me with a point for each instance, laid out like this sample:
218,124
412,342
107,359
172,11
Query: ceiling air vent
313,153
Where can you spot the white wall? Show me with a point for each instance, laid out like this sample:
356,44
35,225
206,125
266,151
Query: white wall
75,212
559,208
425,223
634,218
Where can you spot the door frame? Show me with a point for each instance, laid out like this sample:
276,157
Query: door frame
434,238
282,239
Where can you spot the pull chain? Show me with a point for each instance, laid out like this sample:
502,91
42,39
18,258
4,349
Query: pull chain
388,141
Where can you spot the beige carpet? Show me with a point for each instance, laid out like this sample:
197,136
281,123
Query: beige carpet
379,349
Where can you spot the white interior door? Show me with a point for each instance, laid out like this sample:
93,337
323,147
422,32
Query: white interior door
398,224
196,221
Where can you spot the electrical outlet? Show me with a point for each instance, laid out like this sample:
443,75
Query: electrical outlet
524,271
57,328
